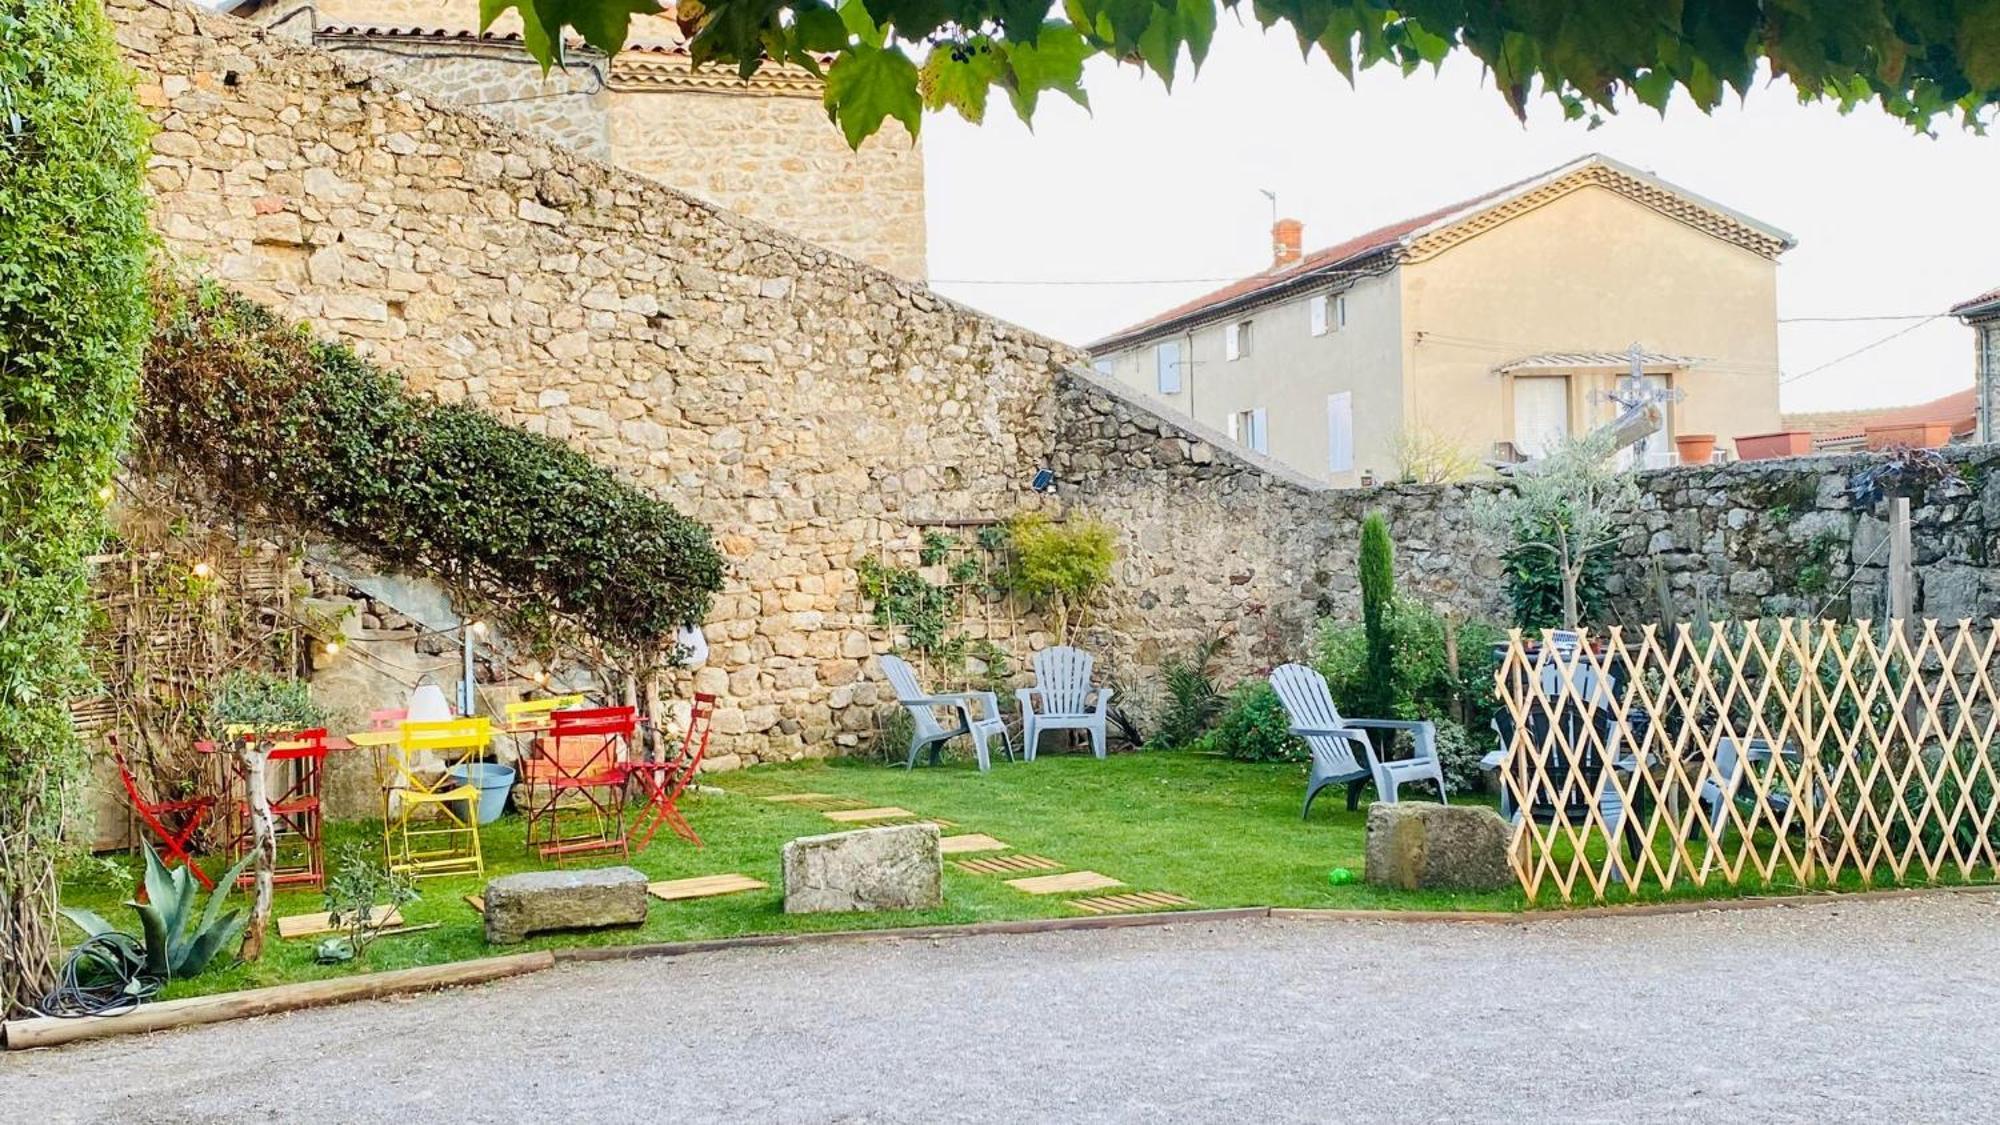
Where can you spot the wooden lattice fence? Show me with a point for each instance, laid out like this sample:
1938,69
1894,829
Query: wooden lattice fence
1756,753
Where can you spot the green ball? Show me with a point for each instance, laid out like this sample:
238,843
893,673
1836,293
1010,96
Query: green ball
1339,875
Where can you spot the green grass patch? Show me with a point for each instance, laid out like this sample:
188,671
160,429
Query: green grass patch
1220,832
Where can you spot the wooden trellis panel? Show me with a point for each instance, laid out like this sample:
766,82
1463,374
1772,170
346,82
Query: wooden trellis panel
1757,752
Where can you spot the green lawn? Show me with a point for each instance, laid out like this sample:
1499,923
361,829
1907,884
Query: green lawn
1219,832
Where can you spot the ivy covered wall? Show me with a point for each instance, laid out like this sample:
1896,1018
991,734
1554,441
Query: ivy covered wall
73,317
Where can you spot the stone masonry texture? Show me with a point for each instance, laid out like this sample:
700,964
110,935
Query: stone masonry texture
816,411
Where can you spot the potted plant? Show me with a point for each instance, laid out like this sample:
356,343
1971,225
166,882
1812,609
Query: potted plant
1695,449
1779,443
1908,435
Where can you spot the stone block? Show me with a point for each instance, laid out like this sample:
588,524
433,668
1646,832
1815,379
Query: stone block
535,902
895,868
1420,846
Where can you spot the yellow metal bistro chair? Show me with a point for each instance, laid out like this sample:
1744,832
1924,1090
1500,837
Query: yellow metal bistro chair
446,843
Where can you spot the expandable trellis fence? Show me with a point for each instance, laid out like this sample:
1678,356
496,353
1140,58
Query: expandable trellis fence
1754,753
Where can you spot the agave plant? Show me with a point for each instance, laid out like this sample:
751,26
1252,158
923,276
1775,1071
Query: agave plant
174,948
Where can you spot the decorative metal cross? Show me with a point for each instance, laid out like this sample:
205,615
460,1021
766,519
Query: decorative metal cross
1633,393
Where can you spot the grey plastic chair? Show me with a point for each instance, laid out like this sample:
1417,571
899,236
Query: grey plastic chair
1063,698
1341,750
977,713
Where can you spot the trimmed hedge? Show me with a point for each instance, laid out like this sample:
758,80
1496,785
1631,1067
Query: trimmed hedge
73,246
266,413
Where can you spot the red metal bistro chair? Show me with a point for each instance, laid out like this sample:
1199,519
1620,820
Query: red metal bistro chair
173,823
662,783
578,768
295,768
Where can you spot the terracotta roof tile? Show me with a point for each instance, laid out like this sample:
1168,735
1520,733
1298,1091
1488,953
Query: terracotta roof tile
1989,298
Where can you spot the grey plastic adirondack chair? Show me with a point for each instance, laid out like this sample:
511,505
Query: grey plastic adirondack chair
1062,699
976,713
1341,750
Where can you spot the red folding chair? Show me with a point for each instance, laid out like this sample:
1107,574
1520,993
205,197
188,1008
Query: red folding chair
173,823
294,771
662,783
579,767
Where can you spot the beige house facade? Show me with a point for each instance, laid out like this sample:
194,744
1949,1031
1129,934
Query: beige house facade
761,147
1491,328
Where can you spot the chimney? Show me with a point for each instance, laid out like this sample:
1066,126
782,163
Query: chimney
1286,238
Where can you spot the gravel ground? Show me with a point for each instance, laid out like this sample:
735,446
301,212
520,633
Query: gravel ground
1879,1012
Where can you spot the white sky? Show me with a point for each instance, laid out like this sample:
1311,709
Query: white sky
1163,187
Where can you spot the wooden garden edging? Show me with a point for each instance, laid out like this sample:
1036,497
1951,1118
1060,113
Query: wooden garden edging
50,1031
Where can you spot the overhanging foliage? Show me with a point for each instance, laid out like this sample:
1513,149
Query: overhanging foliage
1919,59
73,243
267,414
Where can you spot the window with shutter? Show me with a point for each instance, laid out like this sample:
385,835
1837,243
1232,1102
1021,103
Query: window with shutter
1541,413
1340,432
1316,312
1167,367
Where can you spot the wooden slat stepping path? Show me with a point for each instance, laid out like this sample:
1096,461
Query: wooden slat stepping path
476,902
1006,864
859,816
970,842
1066,882
1130,903
703,886
816,801
306,925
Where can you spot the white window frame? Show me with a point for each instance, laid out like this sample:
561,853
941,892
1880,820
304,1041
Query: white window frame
1257,422
1316,310
1237,339
1167,372
1339,311
1535,445
1340,432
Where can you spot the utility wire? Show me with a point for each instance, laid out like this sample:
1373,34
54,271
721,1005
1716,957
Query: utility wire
1868,347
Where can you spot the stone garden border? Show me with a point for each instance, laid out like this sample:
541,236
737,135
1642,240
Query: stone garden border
51,1032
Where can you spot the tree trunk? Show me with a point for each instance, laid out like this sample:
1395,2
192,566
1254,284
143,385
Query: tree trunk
1571,569
256,754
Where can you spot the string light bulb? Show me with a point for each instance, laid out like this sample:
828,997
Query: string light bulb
202,569
333,648
479,628
541,678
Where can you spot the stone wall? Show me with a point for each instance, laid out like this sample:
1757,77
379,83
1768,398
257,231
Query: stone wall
761,147
816,411
811,409
571,105
1215,541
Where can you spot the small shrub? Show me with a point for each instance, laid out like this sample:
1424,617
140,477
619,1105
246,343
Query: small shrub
1061,566
1378,601
358,885
1459,754
261,702
1189,697
1255,728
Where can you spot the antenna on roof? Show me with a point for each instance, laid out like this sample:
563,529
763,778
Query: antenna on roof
1267,193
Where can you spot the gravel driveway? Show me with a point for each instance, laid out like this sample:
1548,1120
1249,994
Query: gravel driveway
1876,1012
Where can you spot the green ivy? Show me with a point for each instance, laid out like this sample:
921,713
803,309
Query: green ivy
306,429
73,246
903,598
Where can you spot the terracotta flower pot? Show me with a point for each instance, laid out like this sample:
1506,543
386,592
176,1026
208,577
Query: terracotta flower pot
1783,443
1915,435
1695,449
